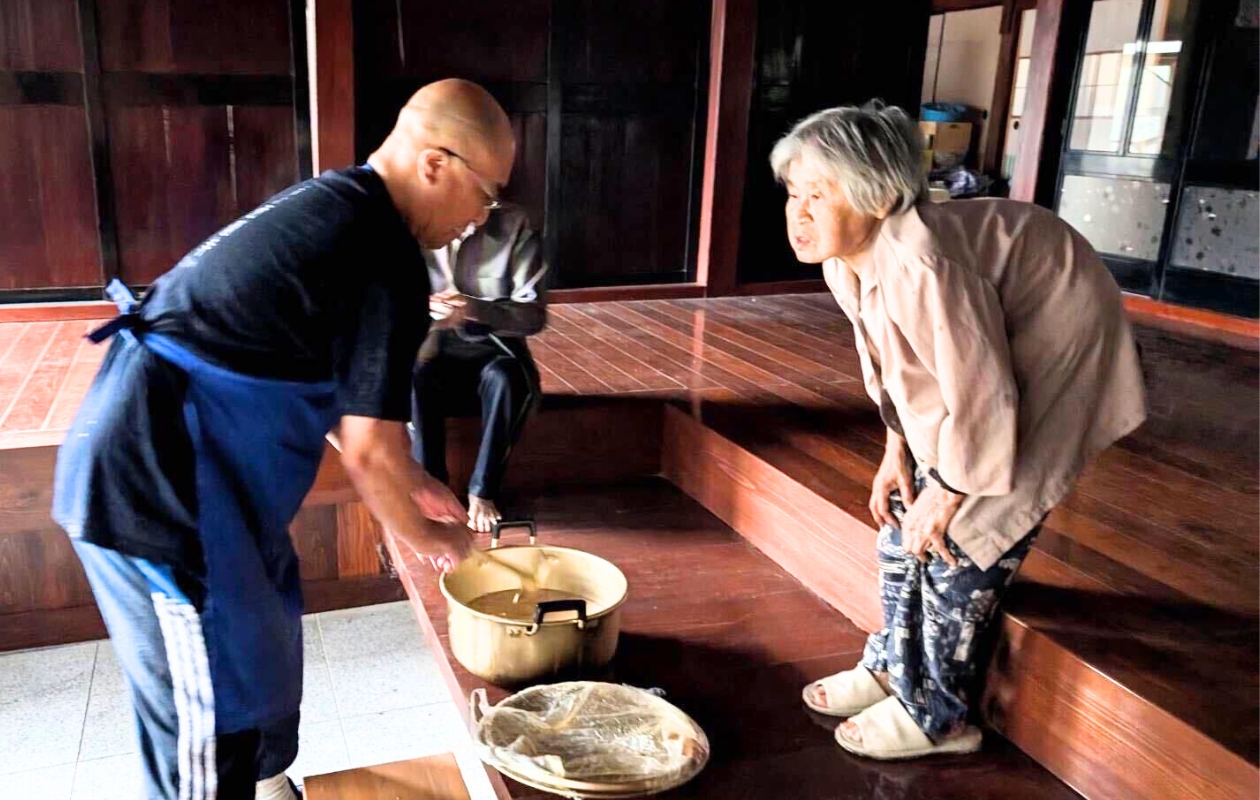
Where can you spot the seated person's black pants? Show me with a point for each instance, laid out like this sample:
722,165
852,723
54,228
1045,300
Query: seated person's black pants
495,377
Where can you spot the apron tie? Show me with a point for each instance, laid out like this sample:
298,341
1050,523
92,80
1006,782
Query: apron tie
127,317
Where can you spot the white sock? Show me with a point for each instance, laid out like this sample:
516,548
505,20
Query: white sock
274,788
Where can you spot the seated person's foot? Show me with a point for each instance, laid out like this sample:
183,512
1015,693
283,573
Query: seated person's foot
820,694
482,514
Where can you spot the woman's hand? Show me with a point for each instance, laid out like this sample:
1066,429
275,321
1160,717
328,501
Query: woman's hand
926,522
896,471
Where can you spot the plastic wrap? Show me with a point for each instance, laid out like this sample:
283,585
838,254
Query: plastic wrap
599,735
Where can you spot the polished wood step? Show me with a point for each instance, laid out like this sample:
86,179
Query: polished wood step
731,638
1118,694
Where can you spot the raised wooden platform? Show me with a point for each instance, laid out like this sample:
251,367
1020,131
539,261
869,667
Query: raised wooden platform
731,637
1129,665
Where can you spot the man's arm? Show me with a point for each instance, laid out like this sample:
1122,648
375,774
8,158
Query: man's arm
407,501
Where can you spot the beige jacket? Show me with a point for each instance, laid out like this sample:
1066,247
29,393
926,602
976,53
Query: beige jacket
1000,337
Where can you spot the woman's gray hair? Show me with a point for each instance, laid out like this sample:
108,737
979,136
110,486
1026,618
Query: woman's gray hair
873,153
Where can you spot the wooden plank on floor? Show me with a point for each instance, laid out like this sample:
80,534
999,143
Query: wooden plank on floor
32,406
565,368
615,358
32,341
430,778
671,361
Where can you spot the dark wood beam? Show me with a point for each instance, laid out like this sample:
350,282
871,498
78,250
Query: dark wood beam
1000,107
98,131
331,52
806,286
1057,38
945,6
600,294
734,38
1211,325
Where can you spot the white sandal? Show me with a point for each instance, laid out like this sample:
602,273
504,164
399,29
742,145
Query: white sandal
890,733
848,693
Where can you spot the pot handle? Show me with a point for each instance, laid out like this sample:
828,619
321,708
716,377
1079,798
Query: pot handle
515,523
478,705
546,607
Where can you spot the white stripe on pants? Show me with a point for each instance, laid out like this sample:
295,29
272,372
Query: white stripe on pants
194,696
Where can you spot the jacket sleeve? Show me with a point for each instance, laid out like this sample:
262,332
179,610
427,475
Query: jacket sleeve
953,320
525,312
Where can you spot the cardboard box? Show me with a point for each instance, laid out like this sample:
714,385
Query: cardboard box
948,141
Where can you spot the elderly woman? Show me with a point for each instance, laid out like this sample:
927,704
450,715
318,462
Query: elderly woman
994,341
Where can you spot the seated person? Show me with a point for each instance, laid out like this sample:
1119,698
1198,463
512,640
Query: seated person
487,297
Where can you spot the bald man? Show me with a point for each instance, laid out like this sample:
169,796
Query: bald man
205,426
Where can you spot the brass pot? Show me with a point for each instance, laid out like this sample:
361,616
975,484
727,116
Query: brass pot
564,636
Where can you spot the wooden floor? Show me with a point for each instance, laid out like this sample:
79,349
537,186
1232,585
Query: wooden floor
1147,572
731,638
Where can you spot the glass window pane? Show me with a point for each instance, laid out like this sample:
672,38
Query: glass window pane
1119,216
1158,72
1218,230
1110,49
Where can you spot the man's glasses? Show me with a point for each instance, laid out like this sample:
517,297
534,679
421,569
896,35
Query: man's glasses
492,200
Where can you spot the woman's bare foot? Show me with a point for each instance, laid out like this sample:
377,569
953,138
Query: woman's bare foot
819,694
482,514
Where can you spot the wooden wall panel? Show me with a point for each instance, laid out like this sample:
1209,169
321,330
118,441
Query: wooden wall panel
630,80
39,35
174,179
395,55
497,42
603,100
314,534
357,536
193,36
812,56
48,235
528,186
651,41
625,181
265,153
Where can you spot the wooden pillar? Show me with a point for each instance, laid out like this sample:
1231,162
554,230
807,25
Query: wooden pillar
1057,39
330,42
1000,107
734,36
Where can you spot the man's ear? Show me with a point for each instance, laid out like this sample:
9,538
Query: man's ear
429,165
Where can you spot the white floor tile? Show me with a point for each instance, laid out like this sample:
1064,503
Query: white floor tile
386,681
44,694
404,733
113,778
110,729
49,783
355,632
107,678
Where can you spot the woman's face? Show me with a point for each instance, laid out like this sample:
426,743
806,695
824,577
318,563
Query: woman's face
820,223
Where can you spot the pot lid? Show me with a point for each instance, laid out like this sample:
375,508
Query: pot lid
590,739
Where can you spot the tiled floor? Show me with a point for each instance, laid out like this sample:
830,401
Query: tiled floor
372,694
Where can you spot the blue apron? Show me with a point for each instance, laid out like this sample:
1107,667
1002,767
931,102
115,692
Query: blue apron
257,445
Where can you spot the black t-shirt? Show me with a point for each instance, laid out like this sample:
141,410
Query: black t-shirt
322,282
